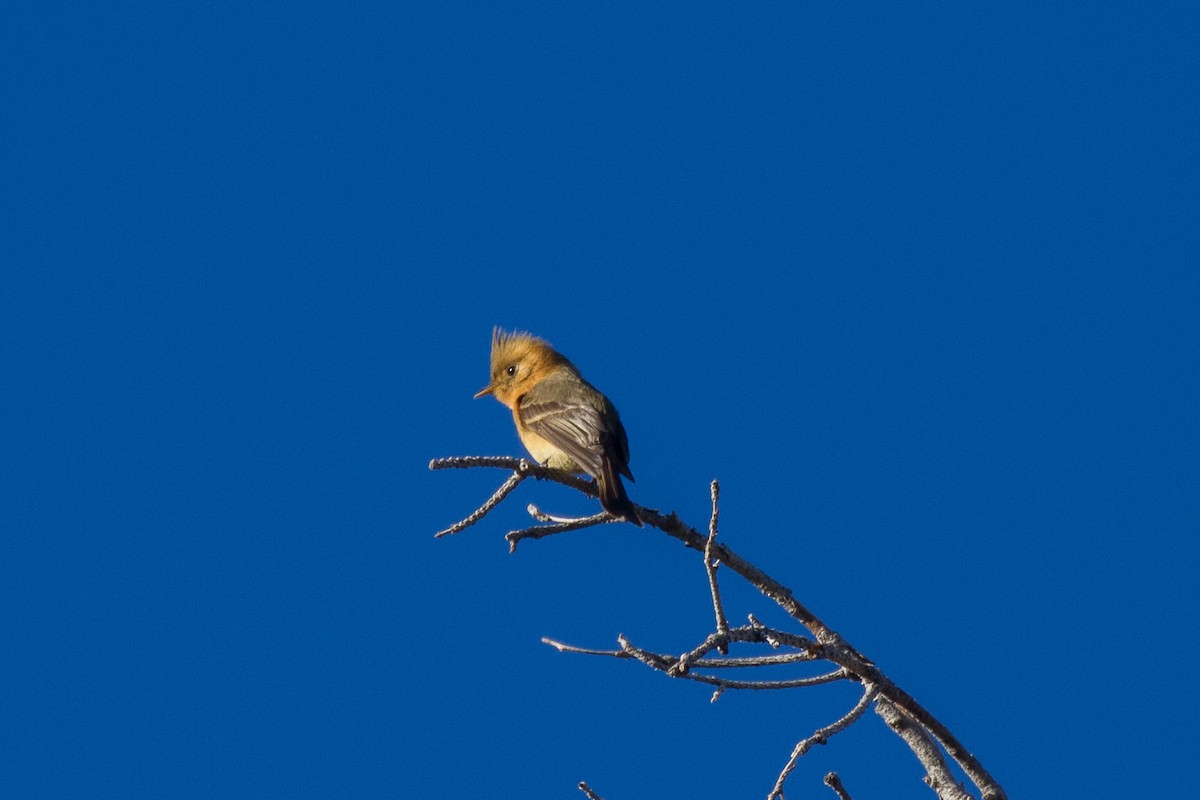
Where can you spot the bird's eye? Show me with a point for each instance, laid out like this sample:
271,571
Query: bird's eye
512,370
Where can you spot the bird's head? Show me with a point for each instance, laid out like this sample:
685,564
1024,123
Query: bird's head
519,361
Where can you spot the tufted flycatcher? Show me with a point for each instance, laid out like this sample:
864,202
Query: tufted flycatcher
563,421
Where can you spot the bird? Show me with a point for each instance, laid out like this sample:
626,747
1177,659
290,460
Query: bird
563,421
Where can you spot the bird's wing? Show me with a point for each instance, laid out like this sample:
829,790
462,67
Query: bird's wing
575,428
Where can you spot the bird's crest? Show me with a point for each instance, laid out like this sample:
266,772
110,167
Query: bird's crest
510,347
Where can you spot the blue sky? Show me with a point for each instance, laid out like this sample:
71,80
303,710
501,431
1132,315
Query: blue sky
916,283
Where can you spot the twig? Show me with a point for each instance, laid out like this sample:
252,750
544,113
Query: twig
583,787
702,663
937,774
522,465
563,647
479,513
541,531
834,782
822,736
753,661
664,663
710,566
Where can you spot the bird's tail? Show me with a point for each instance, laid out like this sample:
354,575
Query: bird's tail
613,497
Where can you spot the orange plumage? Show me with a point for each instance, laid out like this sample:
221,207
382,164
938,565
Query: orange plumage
563,421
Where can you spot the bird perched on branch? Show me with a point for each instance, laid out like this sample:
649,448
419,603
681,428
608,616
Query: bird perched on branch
563,421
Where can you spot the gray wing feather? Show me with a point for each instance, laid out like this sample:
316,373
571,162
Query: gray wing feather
574,428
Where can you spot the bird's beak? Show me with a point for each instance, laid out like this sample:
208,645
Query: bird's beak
485,391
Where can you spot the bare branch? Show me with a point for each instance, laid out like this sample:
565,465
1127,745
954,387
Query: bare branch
703,663
829,645
710,566
563,647
542,531
988,786
546,516
937,774
591,795
753,661
521,465
834,782
757,686
822,736
665,663
488,505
